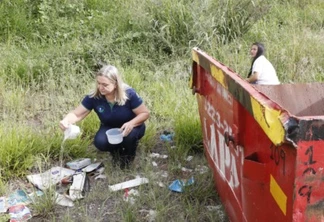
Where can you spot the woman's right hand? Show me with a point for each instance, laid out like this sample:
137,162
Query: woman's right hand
72,117
64,124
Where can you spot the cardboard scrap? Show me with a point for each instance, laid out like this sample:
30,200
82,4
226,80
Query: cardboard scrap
51,177
19,213
76,189
63,200
78,170
18,197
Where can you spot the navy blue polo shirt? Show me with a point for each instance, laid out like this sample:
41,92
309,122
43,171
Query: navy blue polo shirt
113,115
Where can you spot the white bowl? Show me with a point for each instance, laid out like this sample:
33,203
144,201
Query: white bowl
114,135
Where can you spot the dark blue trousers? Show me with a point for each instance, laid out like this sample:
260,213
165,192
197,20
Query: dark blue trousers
126,148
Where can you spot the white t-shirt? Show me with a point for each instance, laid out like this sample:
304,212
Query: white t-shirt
267,74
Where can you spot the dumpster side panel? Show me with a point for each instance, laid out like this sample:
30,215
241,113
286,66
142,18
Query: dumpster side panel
222,159
254,180
253,170
267,164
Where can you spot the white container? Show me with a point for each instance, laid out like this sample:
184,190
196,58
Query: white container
71,132
114,135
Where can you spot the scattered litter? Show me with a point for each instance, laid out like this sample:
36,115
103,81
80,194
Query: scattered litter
78,163
129,195
186,169
37,193
92,167
95,171
173,147
67,180
15,204
154,164
189,158
167,136
128,184
51,177
3,205
100,170
63,200
219,210
76,181
151,215
18,197
160,184
157,155
163,173
76,189
201,169
100,176
19,213
178,185
214,208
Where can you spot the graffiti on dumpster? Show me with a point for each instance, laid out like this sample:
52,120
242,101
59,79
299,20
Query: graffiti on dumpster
223,92
225,159
278,155
310,154
306,190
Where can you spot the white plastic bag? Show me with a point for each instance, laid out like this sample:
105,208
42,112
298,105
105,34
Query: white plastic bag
71,132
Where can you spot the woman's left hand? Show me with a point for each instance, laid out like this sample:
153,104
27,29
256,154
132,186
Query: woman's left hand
127,128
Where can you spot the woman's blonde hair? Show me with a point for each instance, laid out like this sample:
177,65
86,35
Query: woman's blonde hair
111,73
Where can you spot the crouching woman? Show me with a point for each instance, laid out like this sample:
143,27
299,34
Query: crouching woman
117,106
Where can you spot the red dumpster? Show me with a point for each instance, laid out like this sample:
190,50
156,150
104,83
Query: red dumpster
264,144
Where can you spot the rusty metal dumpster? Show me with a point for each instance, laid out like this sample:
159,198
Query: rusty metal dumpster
264,144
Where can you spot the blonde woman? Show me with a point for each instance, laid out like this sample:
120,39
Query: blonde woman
117,106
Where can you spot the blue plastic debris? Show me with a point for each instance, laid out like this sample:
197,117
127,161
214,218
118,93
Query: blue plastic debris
190,181
167,136
178,185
